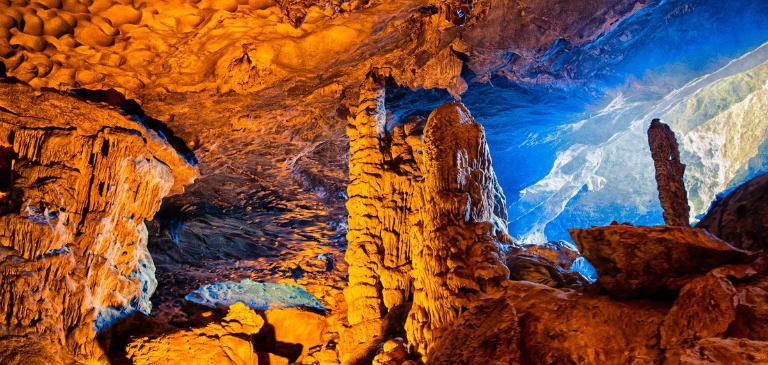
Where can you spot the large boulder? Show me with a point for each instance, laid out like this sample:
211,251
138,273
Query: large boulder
640,261
499,337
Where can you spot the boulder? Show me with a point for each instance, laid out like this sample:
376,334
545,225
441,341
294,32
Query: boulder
641,261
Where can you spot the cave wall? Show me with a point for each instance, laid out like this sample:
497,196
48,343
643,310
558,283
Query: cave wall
73,244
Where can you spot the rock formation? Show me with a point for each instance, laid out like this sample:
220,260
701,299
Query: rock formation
643,261
669,174
271,95
425,218
741,217
717,318
550,264
257,89
226,342
80,180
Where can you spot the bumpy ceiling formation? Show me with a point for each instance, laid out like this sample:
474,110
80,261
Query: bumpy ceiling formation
221,182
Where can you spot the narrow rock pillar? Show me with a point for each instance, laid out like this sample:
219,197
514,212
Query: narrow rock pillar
669,174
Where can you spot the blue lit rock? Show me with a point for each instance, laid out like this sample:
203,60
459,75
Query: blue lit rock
256,295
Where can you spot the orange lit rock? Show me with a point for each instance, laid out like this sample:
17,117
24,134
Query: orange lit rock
535,324
548,264
715,351
73,244
426,216
637,261
291,333
226,342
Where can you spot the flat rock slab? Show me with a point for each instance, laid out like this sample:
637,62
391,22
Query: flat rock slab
641,261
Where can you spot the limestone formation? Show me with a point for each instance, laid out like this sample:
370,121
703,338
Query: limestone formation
549,264
534,324
426,216
501,336
640,261
669,174
79,181
741,218
225,342
255,87
716,351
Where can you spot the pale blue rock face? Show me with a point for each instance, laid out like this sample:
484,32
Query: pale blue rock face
568,139
256,295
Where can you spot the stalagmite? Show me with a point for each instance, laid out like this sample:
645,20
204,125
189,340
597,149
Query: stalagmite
73,244
378,198
426,216
669,174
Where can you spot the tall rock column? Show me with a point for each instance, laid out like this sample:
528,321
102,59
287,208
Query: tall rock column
456,248
426,220
73,255
378,250
669,174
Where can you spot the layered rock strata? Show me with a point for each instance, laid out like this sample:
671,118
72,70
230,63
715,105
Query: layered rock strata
669,174
426,218
79,181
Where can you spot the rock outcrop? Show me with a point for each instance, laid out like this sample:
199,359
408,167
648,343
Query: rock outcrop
669,174
535,324
741,218
544,325
642,261
225,342
80,180
550,264
426,218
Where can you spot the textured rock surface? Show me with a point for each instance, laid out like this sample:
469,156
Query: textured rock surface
436,235
669,174
73,253
712,351
255,88
637,261
549,264
552,326
534,324
500,337
225,342
741,218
